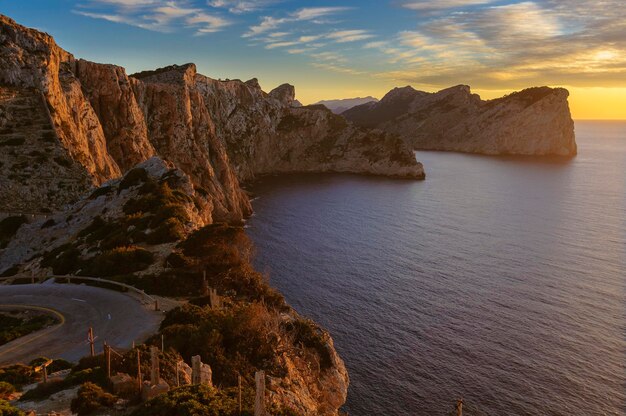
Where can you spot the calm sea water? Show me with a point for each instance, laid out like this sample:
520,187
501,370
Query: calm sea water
499,280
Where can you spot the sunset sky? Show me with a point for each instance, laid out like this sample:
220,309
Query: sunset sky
352,48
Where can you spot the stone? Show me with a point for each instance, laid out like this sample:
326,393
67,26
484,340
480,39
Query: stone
150,391
201,373
123,384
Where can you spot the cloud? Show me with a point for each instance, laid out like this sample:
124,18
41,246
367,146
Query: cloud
442,4
513,45
155,15
279,45
241,6
343,36
269,23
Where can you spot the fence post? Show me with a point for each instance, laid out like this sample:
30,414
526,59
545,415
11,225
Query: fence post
259,402
91,340
459,407
107,360
139,381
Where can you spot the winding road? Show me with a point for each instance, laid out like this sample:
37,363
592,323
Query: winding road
117,318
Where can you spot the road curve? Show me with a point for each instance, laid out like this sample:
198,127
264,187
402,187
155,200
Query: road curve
116,318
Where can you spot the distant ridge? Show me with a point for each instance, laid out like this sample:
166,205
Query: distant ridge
341,105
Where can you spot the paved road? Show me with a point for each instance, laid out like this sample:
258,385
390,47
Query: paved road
116,318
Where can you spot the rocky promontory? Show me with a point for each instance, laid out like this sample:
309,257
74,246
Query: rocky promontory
535,121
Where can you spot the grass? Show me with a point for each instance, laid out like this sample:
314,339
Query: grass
16,324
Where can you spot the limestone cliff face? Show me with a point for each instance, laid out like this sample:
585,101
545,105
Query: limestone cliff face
266,133
219,133
535,121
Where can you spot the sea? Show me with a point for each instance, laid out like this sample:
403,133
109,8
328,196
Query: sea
500,281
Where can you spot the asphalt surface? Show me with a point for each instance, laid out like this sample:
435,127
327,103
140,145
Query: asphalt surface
117,318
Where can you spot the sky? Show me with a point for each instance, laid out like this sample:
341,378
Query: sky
350,48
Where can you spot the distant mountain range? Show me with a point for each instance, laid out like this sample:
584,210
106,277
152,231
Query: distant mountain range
339,106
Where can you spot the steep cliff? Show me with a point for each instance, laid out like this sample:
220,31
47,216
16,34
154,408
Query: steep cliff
535,121
217,132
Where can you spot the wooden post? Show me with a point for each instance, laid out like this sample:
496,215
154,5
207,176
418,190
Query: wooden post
205,284
162,343
154,361
156,305
177,374
239,384
139,381
259,402
45,373
91,340
459,407
107,360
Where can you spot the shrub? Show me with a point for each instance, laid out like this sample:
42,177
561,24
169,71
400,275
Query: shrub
120,260
103,190
198,400
132,178
49,223
59,365
238,340
169,231
6,409
18,375
307,334
90,398
9,227
6,389
80,376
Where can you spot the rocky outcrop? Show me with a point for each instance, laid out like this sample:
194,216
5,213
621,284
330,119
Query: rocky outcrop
217,132
535,121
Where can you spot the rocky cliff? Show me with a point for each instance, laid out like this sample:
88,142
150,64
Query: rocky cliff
535,121
218,132
147,229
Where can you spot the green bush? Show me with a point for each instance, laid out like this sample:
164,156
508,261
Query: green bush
44,390
198,400
6,409
12,327
6,389
169,231
120,260
18,375
90,398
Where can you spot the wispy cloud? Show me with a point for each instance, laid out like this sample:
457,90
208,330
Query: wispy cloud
442,4
269,23
343,36
155,15
240,6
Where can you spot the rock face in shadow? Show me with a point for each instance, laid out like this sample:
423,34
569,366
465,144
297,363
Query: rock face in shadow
535,121
217,132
